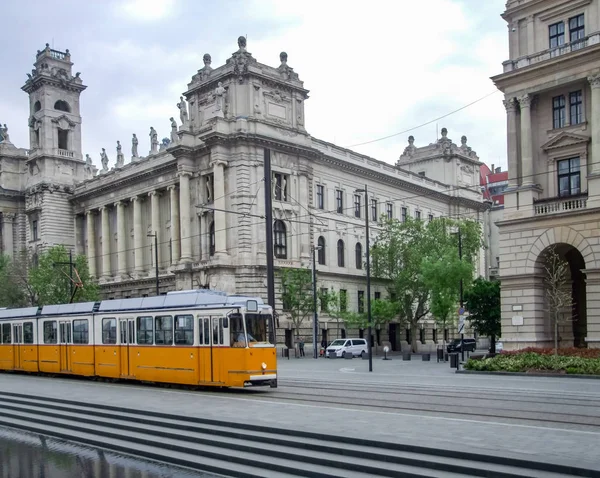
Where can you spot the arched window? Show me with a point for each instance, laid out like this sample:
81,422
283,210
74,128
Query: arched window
358,255
211,238
62,105
340,251
321,251
280,243
37,106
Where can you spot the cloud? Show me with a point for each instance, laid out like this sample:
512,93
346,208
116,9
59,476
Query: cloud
144,10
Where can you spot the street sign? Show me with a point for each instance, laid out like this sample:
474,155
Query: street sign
461,324
461,311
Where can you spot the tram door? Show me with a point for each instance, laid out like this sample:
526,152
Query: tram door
65,345
127,327
17,345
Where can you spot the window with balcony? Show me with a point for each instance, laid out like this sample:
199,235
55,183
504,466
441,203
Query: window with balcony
339,201
321,250
374,209
389,210
404,215
340,253
557,34
279,231
357,205
63,139
576,107
576,31
569,177
320,196
558,111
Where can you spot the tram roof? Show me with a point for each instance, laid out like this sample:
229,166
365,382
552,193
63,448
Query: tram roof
17,313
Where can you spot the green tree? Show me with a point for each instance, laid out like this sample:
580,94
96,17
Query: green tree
50,282
403,252
11,293
483,302
297,295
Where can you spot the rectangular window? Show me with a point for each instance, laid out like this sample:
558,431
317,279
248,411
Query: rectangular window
343,300
557,34
430,217
404,214
145,330
576,107
34,230
163,330
339,201
6,334
50,335
281,186
389,210
81,331
558,111
28,333
184,329
377,295
576,32
320,196
109,331
569,179
323,298
418,215
217,330
357,205
204,327
361,301
373,209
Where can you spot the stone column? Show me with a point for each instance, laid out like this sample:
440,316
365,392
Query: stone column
175,244
7,233
594,118
137,235
105,243
121,239
526,141
513,156
155,215
91,242
184,210
219,214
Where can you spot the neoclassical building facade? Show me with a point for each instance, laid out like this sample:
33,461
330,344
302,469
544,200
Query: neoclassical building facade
551,84
199,195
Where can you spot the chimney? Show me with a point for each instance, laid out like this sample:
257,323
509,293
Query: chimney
492,168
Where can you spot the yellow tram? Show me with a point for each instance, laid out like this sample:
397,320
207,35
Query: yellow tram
196,337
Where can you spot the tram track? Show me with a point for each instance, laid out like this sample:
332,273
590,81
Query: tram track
247,450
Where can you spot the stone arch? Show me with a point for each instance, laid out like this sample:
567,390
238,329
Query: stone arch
62,105
560,235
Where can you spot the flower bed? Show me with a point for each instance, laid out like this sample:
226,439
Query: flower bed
536,363
567,352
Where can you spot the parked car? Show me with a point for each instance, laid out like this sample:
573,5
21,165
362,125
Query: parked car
499,346
343,347
455,345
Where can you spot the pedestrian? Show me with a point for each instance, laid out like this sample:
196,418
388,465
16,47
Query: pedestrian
301,346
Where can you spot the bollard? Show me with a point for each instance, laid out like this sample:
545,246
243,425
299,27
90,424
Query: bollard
406,356
440,355
386,349
426,357
454,362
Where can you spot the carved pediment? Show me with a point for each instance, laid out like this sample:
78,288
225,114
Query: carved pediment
63,122
564,140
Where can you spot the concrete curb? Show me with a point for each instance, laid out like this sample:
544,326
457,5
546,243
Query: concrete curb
525,374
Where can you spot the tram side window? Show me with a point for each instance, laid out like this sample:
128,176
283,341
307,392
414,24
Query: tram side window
6,335
81,332
217,330
28,333
109,331
163,326
50,334
204,326
184,330
145,330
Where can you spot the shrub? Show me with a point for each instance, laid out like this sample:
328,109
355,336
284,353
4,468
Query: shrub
566,352
536,362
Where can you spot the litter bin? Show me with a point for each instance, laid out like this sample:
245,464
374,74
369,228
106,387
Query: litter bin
426,357
454,360
406,356
440,354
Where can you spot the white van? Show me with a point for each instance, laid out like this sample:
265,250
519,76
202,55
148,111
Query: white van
344,347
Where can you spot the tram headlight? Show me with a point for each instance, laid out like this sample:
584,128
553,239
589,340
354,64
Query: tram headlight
264,366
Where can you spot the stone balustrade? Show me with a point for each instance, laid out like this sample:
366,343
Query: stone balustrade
558,205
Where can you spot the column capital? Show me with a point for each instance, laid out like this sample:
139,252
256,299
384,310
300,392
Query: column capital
594,81
218,162
510,104
154,193
182,174
90,212
8,216
135,199
525,100
118,203
103,208
172,187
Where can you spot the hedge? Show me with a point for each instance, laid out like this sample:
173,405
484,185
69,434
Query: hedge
536,362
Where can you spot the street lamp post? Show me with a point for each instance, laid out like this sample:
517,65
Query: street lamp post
155,235
462,335
369,331
315,317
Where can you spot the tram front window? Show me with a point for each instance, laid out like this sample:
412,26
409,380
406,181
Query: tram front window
236,326
257,327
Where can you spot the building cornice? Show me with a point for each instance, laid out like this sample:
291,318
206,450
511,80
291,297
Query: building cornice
548,217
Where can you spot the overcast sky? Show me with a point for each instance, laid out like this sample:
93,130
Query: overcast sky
373,68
